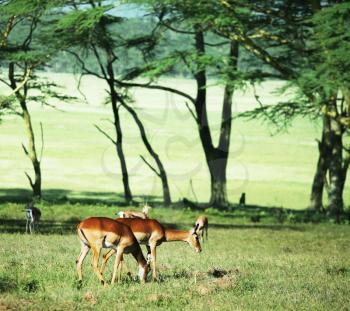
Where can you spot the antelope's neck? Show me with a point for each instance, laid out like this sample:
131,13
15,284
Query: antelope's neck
175,235
138,255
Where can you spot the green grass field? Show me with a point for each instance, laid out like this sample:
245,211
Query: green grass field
286,260
243,266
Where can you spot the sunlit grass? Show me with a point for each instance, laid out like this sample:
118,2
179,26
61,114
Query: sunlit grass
243,266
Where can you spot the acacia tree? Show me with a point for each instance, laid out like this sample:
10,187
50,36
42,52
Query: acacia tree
330,78
190,21
320,74
21,54
92,29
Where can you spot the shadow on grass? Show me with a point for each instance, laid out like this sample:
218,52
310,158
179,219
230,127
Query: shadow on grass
61,196
45,226
253,216
15,226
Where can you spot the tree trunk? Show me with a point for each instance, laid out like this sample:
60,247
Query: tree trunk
325,149
108,73
31,151
119,146
217,169
346,164
335,192
161,171
216,157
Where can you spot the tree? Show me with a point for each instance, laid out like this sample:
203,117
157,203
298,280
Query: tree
22,55
93,30
319,32
200,59
329,77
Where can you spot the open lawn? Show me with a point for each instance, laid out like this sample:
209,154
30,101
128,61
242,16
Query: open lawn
243,266
274,170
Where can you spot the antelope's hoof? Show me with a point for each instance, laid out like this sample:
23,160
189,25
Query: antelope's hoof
79,284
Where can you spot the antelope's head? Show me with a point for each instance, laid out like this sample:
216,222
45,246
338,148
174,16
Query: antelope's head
143,272
120,214
146,208
193,239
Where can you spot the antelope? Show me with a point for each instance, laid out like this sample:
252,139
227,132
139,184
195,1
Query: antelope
151,233
101,232
135,214
33,215
202,225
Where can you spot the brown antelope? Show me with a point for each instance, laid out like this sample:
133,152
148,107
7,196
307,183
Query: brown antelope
151,233
202,225
135,214
33,215
100,232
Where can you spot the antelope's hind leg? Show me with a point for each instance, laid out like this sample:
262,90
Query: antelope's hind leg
96,256
84,251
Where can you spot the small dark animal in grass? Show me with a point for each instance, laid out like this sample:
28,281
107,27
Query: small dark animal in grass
255,218
242,199
202,226
33,215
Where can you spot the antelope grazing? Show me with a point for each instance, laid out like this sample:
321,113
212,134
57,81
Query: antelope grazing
100,232
151,233
202,225
33,215
135,214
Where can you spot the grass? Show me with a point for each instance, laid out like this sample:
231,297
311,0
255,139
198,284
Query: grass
243,266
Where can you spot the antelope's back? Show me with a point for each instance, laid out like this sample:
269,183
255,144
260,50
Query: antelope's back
104,225
148,226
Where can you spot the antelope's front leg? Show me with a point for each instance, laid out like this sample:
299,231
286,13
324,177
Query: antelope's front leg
105,259
153,260
118,259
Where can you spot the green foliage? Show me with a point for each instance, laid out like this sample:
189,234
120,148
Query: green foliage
81,26
332,43
6,105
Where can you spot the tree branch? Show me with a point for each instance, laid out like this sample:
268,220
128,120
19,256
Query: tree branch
97,55
175,29
82,63
155,87
30,180
42,141
105,134
217,44
25,150
150,166
192,113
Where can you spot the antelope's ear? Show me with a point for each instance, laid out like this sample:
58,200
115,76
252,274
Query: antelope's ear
194,230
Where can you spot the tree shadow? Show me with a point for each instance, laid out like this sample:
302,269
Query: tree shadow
62,196
44,227
247,216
